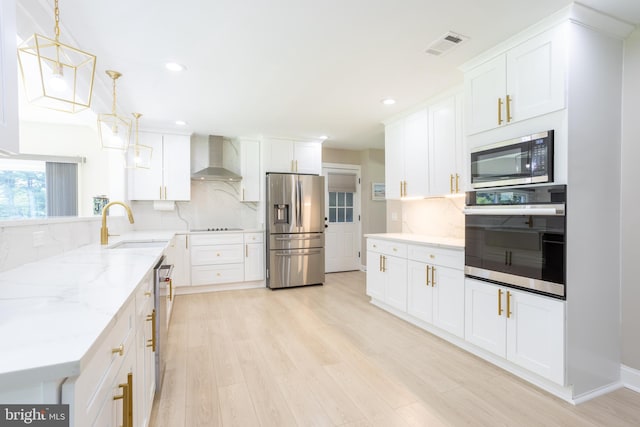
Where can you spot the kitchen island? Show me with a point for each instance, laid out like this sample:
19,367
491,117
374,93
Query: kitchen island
57,314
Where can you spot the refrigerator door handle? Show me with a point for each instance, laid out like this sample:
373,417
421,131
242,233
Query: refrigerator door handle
280,239
289,254
298,203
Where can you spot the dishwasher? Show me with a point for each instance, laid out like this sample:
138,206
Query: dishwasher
162,292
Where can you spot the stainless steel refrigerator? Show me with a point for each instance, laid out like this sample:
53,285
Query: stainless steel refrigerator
295,230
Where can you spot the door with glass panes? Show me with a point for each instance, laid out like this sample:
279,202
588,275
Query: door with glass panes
342,235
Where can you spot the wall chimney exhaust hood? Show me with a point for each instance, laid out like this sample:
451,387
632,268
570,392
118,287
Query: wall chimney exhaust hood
215,170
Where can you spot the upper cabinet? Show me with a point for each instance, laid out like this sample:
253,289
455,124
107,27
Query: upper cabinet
250,170
446,155
288,156
8,78
406,155
424,152
169,177
524,82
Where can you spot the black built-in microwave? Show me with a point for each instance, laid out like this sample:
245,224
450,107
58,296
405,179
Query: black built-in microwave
524,160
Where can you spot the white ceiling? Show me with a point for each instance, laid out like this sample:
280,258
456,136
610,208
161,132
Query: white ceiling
290,68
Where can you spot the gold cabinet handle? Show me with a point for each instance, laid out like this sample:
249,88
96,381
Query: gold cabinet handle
428,268
161,192
405,189
127,401
380,263
152,342
433,277
451,183
509,313
457,183
401,195
509,108
500,111
500,302
384,263
119,350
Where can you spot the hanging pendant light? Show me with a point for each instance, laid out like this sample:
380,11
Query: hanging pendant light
113,129
55,75
138,155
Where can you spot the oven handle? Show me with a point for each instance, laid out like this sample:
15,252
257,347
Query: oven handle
546,210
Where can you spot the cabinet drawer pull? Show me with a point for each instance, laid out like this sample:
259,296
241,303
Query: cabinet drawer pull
457,183
119,350
509,313
500,111
433,277
451,183
152,342
428,268
508,103
500,302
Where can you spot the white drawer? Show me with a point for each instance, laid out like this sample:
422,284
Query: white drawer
437,256
387,247
253,238
217,239
144,293
215,274
87,392
219,254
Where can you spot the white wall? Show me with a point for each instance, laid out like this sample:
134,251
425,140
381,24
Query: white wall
630,203
103,171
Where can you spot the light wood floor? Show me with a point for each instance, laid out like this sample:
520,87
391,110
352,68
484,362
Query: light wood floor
324,356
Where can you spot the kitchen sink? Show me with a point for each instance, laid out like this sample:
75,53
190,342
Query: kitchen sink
140,244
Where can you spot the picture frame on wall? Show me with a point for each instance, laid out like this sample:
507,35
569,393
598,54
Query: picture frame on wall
378,191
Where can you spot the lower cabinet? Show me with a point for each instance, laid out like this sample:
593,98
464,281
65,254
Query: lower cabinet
253,256
226,258
117,386
524,328
387,272
436,287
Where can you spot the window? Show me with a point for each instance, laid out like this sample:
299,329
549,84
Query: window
37,189
340,206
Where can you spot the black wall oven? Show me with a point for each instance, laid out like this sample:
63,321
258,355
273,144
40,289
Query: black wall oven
516,237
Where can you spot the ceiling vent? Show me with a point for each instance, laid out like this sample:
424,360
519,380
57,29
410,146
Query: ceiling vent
445,43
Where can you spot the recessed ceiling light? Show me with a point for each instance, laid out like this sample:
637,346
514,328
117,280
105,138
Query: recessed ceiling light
388,101
181,123
323,137
174,66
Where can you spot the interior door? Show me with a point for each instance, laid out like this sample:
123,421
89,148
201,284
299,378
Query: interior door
342,208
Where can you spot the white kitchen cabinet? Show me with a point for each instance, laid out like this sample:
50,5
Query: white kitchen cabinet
253,256
406,154
217,258
288,156
446,164
144,386
524,328
250,170
524,82
181,260
436,287
389,280
169,177
8,78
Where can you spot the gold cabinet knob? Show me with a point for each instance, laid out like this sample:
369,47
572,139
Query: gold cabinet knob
432,256
218,254
147,294
218,274
119,350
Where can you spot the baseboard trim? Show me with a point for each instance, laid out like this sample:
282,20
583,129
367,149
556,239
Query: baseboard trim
597,392
630,378
200,289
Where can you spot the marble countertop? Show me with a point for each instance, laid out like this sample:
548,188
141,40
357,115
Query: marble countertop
53,312
443,242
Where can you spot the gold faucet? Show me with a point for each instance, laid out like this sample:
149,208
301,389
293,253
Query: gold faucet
104,232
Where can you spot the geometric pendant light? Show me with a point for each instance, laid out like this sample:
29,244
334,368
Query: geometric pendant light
113,129
55,75
138,155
